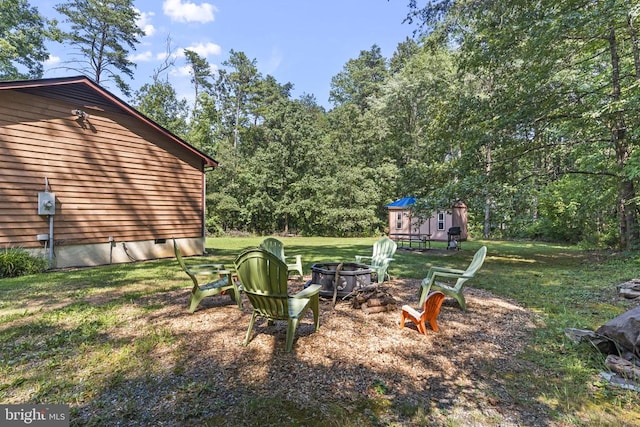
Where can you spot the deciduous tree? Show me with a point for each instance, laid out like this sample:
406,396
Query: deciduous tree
564,92
23,32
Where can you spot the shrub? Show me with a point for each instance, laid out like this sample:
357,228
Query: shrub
16,262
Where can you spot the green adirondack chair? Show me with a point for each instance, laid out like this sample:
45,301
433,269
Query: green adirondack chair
276,247
451,274
223,281
383,251
264,280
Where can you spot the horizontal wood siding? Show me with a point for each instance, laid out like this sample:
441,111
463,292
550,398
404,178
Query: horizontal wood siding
113,176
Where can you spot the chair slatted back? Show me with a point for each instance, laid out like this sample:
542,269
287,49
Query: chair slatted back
432,305
274,246
183,265
382,249
477,261
264,279
474,266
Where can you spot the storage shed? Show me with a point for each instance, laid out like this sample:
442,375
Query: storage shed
86,179
405,226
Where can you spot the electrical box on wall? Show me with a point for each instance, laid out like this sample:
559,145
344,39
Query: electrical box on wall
46,203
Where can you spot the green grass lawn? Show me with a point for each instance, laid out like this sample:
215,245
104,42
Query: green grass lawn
61,338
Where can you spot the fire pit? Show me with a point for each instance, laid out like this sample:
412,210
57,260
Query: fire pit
352,276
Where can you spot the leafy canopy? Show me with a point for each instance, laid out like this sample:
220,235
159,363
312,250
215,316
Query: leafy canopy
23,32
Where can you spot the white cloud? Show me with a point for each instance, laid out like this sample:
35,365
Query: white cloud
144,22
186,11
164,55
185,71
202,49
52,60
274,60
205,49
142,56
181,71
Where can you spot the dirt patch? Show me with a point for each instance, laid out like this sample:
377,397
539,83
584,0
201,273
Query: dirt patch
459,373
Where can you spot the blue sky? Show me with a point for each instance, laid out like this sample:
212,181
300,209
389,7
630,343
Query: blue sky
302,42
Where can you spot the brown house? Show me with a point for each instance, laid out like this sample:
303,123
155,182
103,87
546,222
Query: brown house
85,179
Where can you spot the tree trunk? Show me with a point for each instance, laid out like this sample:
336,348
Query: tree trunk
627,208
487,204
633,34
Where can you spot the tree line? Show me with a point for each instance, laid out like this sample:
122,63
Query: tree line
527,111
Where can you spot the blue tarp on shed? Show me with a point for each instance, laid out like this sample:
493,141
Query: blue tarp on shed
402,203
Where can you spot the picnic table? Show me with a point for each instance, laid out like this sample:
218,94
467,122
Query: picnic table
419,240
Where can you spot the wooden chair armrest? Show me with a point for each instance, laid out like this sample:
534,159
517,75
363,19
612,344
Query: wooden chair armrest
446,270
308,292
412,311
209,269
453,275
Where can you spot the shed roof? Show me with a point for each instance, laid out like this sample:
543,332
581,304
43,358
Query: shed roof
87,94
402,203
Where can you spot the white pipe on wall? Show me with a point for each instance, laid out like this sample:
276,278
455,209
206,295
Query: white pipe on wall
50,241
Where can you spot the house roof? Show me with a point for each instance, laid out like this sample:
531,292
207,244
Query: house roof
402,203
87,94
